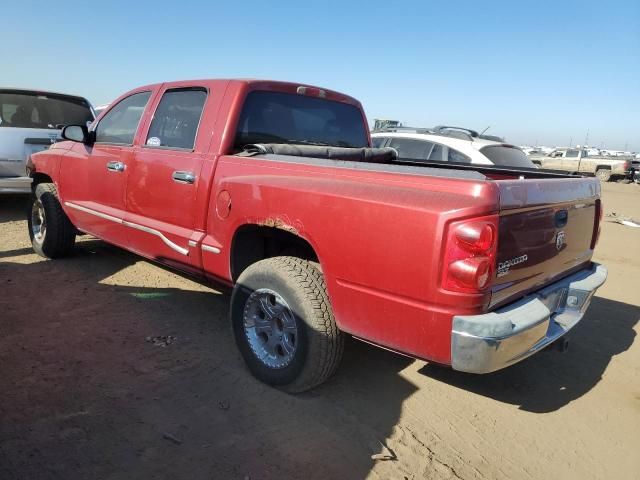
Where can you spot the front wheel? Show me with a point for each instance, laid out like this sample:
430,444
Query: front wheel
52,233
284,325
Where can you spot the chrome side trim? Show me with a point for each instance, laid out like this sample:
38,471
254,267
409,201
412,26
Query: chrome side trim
208,248
94,212
142,228
155,232
192,243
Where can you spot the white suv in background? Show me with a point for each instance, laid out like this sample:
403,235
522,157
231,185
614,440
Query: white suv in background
450,144
30,121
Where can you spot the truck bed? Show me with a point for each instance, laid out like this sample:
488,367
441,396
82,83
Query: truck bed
529,203
384,160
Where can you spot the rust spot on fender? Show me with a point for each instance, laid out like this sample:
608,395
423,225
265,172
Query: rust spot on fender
282,223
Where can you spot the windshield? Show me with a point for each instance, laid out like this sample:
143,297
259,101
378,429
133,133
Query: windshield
272,117
39,110
507,156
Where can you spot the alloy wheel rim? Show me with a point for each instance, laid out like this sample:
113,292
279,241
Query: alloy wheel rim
38,221
270,328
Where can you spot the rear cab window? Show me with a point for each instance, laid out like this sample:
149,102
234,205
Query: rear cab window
274,117
24,109
507,156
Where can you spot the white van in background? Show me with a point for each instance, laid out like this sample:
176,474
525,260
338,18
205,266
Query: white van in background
30,121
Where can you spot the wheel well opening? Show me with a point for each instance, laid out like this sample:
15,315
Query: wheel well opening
39,178
253,243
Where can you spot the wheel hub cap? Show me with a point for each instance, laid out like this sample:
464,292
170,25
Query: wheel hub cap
270,328
38,221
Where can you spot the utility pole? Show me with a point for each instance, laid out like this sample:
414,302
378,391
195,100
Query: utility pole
586,139
570,141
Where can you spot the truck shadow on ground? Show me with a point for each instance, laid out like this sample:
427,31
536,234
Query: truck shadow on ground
13,207
550,380
105,379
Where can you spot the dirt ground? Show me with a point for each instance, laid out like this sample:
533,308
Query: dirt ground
90,389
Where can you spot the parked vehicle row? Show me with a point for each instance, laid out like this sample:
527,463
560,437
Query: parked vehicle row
578,161
274,189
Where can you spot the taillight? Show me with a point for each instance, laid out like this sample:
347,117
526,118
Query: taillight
597,224
470,254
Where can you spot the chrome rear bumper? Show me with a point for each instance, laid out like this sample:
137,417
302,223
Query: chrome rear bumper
489,342
15,184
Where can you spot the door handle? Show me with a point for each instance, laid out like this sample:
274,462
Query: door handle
183,177
115,166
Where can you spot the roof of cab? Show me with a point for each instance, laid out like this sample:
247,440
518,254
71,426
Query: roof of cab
253,83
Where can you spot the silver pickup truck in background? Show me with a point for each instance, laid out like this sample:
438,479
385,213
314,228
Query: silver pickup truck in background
30,121
576,160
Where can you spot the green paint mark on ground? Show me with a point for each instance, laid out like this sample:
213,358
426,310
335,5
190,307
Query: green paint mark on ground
150,295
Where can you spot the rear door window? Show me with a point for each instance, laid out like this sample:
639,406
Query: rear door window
274,117
437,153
411,148
119,125
457,157
175,122
21,109
378,142
507,156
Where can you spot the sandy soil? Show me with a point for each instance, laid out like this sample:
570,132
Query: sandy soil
87,391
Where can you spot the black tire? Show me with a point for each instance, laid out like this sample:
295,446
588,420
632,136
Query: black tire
60,234
319,343
603,174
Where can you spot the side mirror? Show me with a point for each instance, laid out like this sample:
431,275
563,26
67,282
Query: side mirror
77,133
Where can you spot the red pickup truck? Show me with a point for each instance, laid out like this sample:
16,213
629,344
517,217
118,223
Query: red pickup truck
272,188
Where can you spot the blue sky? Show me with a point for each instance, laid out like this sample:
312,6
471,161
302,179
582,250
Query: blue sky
532,71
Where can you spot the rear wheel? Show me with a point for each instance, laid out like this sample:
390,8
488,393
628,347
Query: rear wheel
603,174
52,233
283,324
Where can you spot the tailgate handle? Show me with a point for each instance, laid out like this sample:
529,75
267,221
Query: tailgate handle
562,216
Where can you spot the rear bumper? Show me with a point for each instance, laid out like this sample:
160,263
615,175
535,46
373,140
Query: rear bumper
489,342
15,184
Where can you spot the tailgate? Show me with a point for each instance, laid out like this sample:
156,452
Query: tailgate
547,230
